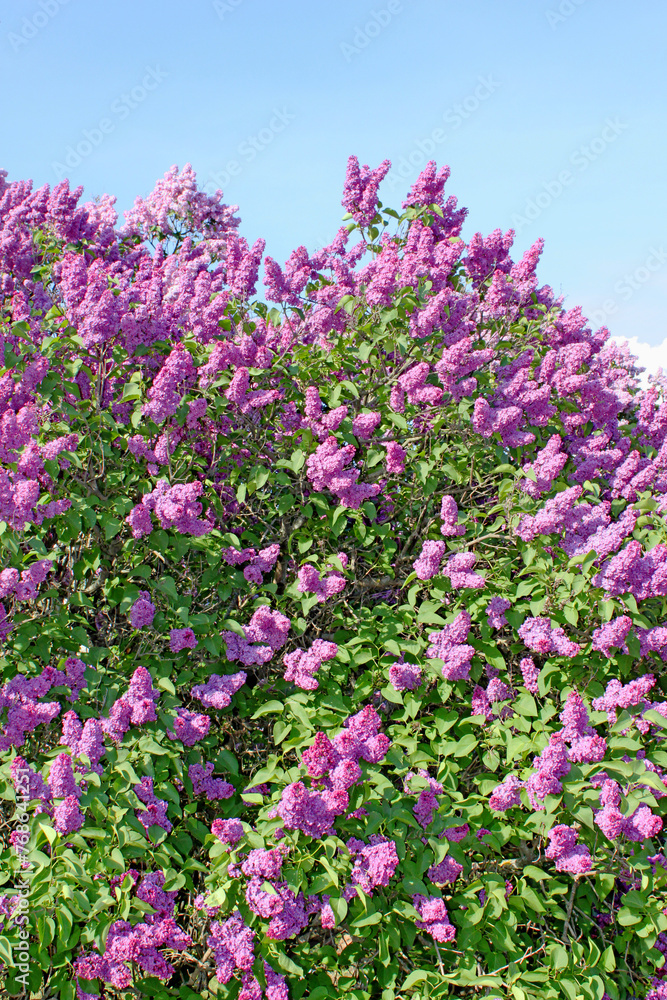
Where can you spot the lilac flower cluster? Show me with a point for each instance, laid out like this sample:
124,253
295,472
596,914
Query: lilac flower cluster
258,562
264,635
334,765
326,471
137,946
448,645
302,665
174,506
312,582
405,676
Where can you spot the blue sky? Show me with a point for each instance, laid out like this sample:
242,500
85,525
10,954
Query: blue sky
550,114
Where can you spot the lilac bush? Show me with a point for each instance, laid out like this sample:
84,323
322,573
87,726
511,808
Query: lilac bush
333,618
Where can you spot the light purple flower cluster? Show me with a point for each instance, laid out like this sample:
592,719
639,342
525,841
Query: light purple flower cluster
396,456
264,635
326,471
360,190
427,804
174,506
449,514
375,864
405,676
619,695
24,587
302,665
142,611
228,831
631,571
448,645
427,565
542,637
434,917
204,784
586,747
614,633
638,826
551,517
189,727
133,708
459,570
258,562
155,813
218,690
564,850
445,872
364,424
495,611
548,463
138,946
312,582
181,638
334,764
530,674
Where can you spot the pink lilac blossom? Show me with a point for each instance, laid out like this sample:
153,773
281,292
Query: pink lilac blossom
619,695
506,795
374,865
265,633
364,424
142,611
305,810
360,190
302,665
427,803
428,564
61,778
434,918
312,582
542,637
551,765
218,690
189,727
174,506
204,784
459,570
551,517
229,831
326,470
396,456
67,816
446,872
448,645
548,463
456,833
155,813
181,638
405,676
495,611
568,855
530,674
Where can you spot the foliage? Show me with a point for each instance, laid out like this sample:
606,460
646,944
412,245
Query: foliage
333,626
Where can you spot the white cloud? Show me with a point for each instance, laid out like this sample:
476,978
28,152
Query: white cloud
650,356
